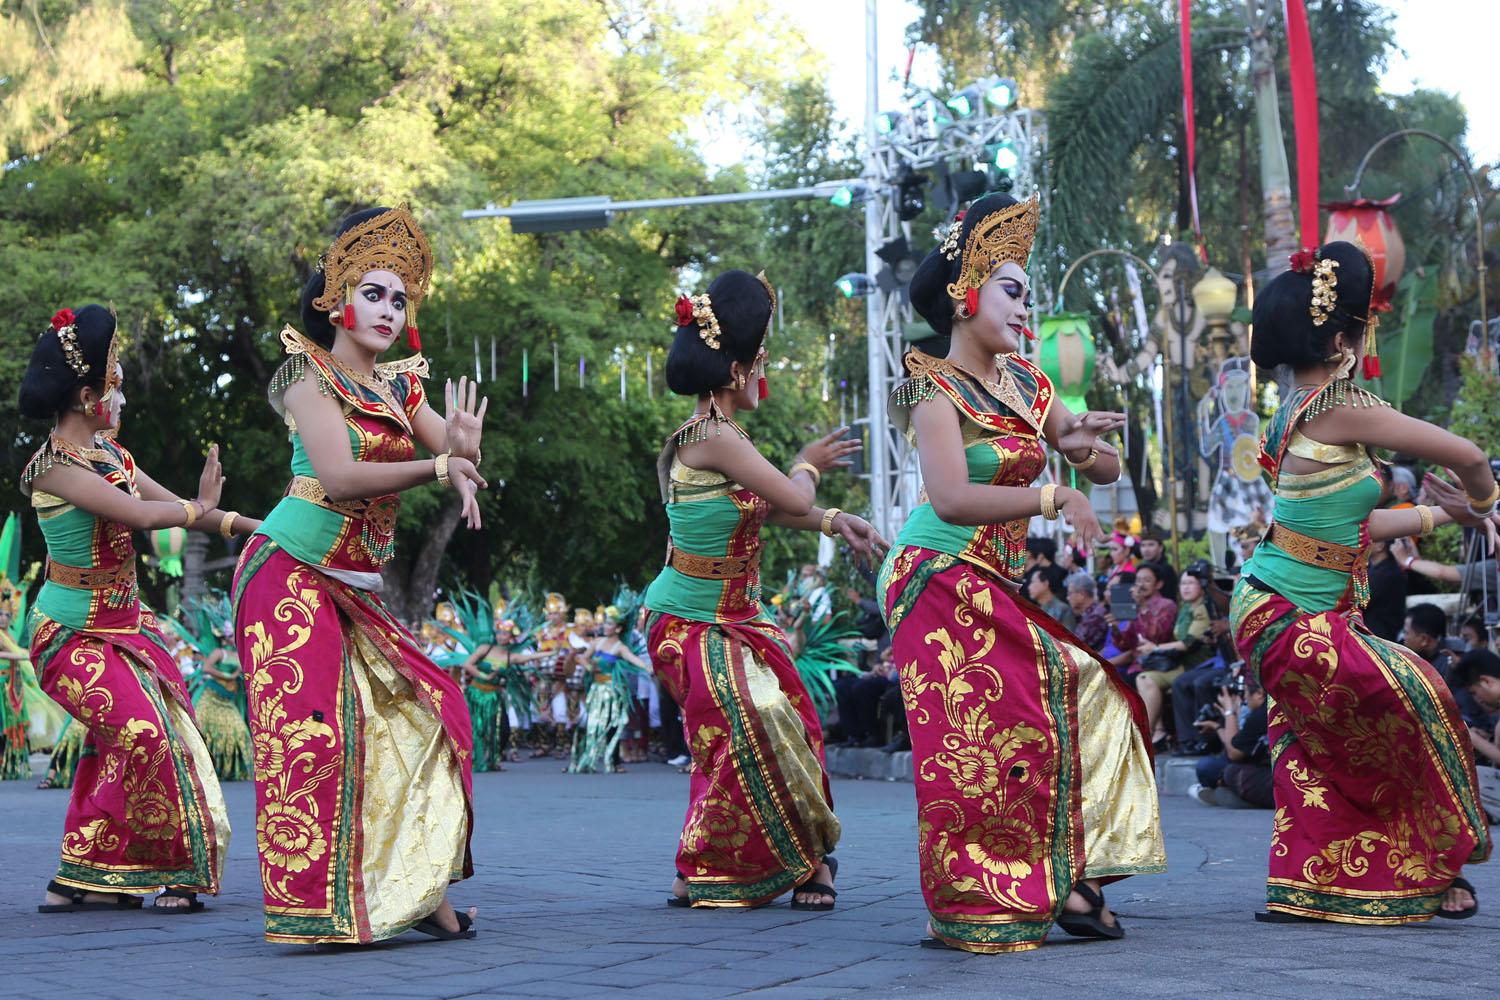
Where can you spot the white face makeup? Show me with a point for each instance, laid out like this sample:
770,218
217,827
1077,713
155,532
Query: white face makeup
379,311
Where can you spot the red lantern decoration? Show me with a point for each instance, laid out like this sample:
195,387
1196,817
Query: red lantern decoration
1369,222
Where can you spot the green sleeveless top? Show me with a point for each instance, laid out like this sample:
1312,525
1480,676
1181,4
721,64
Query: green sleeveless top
1001,423
354,537
712,572
77,540
1330,505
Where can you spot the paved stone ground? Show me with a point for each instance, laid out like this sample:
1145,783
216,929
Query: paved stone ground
573,872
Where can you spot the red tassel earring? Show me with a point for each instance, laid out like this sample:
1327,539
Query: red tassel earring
971,302
99,408
413,338
1029,335
346,316
765,388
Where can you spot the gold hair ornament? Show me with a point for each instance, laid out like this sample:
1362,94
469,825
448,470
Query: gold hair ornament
1324,291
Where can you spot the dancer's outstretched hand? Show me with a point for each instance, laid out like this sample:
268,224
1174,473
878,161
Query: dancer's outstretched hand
211,481
1453,500
463,419
1085,429
867,544
829,451
467,480
1078,513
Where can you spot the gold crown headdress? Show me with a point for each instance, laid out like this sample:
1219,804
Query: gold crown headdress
555,602
1001,236
761,277
392,241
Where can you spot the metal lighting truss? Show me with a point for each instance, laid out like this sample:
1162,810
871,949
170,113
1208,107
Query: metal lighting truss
926,133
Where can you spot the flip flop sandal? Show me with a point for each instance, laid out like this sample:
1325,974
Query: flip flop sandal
1091,924
194,904
76,903
935,943
1466,912
819,888
681,902
432,928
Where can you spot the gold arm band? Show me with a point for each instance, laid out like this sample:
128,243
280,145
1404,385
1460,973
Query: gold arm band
1049,501
812,470
440,466
828,516
192,512
1086,463
1426,513
226,523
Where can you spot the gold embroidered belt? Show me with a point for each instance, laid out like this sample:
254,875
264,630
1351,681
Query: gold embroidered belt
1313,551
308,488
92,577
711,567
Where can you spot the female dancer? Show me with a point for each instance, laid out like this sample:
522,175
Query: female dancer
607,705
760,816
146,812
1033,768
219,698
15,739
1376,803
362,743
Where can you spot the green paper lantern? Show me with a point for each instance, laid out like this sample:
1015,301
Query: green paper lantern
1065,351
168,544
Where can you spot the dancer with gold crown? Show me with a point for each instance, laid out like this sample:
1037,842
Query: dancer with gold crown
760,816
611,666
1377,802
1033,767
362,743
559,643
146,813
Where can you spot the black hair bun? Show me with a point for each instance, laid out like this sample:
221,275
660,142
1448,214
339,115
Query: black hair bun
742,305
49,379
1285,333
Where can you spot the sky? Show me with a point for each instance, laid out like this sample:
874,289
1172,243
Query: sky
1438,55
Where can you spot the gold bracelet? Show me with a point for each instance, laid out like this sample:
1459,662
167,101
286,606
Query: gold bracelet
440,466
1086,463
828,516
812,470
192,512
226,523
1488,501
1426,513
1049,501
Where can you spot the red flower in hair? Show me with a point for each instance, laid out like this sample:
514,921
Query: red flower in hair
1303,261
959,215
63,318
684,310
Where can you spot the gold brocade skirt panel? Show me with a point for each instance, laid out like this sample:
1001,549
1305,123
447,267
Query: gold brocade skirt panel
412,804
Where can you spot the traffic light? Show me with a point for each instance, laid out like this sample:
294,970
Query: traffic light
855,286
911,193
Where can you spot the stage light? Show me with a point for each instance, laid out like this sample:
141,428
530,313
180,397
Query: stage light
850,194
855,286
1001,92
966,101
886,121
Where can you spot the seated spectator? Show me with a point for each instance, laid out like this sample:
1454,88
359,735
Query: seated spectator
1040,551
1197,687
1162,664
1473,634
871,622
1425,633
859,696
1121,567
1153,549
1072,560
1475,682
893,708
1090,614
1240,777
1156,618
1046,589
1387,607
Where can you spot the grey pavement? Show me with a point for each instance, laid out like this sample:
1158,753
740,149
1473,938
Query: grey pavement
572,872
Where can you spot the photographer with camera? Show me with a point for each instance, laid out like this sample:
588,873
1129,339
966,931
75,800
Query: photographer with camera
1197,687
1240,777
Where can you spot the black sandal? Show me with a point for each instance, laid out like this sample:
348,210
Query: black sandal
819,888
77,904
681,902
1091,924
1277,917
194,904
1466,912
432,928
